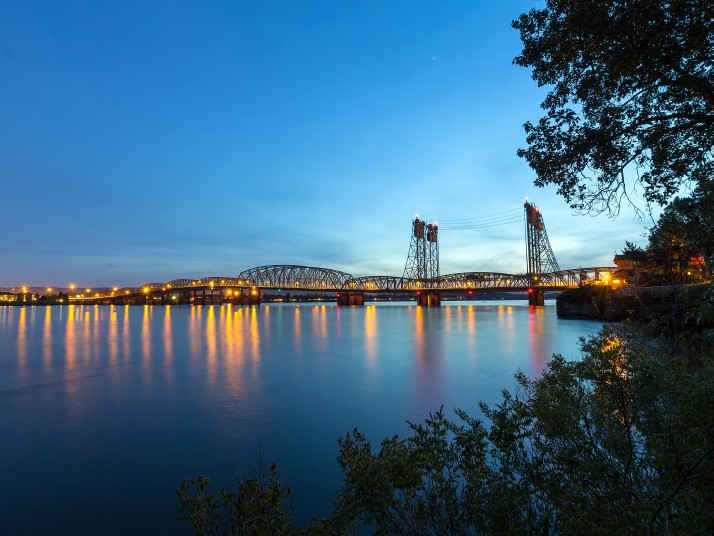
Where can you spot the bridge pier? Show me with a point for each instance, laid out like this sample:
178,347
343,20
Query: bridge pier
429,299
345,299
536,297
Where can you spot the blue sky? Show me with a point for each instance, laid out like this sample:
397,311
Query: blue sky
148,141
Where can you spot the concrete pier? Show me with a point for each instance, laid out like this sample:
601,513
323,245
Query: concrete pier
429,299
347,299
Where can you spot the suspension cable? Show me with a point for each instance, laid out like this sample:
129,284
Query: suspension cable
482,222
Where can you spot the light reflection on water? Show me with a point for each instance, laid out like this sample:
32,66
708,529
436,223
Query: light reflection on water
109,408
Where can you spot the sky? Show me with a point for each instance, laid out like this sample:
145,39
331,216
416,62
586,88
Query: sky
145,141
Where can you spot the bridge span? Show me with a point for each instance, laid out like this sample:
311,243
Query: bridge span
421,277
249,285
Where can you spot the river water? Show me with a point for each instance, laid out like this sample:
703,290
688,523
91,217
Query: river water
105,410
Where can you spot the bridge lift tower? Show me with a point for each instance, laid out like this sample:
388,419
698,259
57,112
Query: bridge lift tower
423,260
539,254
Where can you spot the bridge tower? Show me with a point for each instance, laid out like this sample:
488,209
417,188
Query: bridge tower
423,258
423,262
539,254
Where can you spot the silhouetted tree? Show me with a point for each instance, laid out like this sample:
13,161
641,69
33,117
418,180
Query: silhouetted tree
631,98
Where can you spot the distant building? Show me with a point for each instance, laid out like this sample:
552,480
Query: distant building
629,262
8,297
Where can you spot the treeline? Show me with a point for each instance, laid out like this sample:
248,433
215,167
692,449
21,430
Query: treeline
680,246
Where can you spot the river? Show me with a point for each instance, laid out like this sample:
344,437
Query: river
105,410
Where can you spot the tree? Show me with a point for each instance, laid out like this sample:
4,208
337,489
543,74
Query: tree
633,251
683,237
619,441
631,98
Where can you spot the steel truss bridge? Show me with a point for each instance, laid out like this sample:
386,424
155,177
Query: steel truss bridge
294,277
421,276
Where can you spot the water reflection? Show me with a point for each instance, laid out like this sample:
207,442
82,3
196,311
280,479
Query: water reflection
536,339
211,352
156,393
297,328
86,345
47,339
195,331
255,334
113,339
70,343
126,334
146,336
370,333
22,339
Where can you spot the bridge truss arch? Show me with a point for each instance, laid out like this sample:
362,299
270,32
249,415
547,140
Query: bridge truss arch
294,276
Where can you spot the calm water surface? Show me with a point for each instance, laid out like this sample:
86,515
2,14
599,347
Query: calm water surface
105,410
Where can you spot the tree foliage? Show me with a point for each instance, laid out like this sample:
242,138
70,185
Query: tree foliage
255,506
631,98
688,224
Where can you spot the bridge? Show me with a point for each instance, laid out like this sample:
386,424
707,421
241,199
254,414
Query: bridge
421,278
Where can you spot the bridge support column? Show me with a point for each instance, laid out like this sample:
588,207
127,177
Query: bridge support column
429,299
345,299
254,297
536,297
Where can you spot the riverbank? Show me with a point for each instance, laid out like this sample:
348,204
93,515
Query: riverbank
638,304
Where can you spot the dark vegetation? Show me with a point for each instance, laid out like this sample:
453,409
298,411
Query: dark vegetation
623,439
